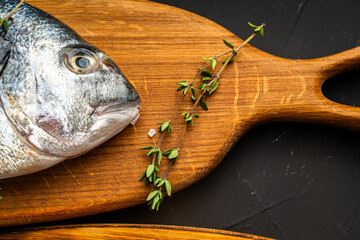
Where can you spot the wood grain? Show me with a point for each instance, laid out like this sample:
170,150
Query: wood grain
156,46
123,231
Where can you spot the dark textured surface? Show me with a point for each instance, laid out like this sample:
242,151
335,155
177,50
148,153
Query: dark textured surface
281,180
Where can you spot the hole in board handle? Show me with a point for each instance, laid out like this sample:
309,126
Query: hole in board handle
343,88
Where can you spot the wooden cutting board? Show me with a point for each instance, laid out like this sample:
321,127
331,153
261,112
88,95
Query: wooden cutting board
125,231
156,46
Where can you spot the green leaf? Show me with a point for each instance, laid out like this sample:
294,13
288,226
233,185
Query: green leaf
155,202
167,152
231,60
213,63
185,114
202,86
183,83
150,169
6,25
200,68
157,206
147,182
206,59
173,154
153,176
151,152
206,78
214,86
152,194
188,119
157,181
180,88
168,187
164,126
193,98
162,182
156,168
142,177
193,91
228,44
257,29
203,103
161,196
196,115
159,157
206,73
169,129
185,91
144,148
150,178
252,25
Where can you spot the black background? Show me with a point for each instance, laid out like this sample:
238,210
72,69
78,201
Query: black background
281,180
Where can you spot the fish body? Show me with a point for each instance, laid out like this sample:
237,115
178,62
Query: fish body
60,96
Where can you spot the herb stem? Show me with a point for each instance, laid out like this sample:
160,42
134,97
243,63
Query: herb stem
163,133
182,135
155,197
249,38
158,146
224,53
167,169
214,78
199,73
177,107
192,83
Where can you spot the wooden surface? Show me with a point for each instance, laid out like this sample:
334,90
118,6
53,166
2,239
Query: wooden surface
118,231
153,44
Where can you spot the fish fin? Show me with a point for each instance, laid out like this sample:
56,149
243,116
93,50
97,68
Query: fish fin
5,47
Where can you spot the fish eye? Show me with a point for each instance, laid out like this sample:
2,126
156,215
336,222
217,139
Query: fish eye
82,61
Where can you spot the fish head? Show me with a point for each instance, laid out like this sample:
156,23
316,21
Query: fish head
82,99
60,96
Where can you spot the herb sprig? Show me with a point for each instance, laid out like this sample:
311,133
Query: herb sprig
209,85
4,22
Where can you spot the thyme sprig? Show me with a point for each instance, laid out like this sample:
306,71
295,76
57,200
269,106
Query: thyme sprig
209,85
4,22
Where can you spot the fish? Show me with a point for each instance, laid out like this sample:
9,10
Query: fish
60,96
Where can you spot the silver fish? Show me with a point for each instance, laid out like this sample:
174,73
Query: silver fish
60,96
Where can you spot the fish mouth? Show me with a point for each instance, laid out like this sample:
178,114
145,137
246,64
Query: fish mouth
116,108
111,119
108,122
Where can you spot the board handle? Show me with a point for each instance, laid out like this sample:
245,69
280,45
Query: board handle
300,97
